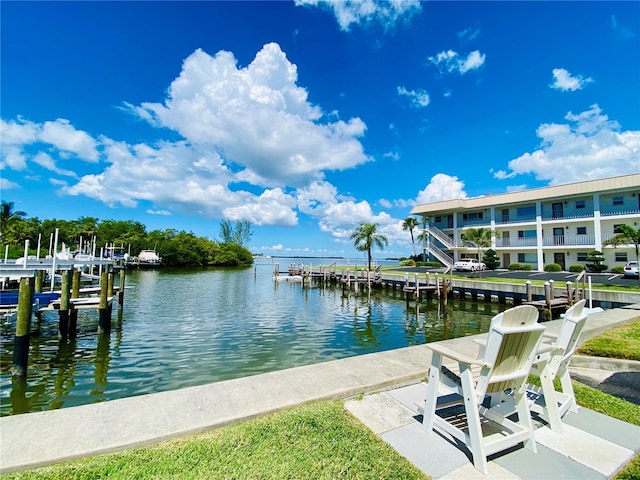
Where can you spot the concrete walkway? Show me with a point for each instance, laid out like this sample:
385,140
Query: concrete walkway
44,438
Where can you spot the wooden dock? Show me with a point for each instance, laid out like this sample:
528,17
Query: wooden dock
416,286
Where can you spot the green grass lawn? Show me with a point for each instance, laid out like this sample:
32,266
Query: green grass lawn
619,342
316,441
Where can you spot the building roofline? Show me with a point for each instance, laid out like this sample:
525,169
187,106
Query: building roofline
540,193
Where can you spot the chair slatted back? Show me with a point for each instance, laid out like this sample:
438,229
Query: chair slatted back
514,337
574,321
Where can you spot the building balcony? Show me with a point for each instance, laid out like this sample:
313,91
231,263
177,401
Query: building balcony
620,212
516,242
560,216
509,220
570,240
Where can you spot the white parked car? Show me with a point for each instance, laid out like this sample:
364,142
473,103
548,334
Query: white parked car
631,269
469,265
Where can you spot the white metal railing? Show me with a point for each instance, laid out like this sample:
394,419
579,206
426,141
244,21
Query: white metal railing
562,216
442,237
522,219
475,221
569,240
444,257
516,242
605,213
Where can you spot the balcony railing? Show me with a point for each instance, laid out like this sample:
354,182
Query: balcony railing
609,213
568,240
561,216
516,242
475,221
523,219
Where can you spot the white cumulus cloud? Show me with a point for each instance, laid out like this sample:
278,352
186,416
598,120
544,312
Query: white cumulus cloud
441,187
563,80
257,118
364,12
450,61
419,98
588,146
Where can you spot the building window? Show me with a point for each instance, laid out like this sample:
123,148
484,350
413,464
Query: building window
580,204
472,216
438,218
521,258
526,233
582,256
582,230
618,200
621,257
526,212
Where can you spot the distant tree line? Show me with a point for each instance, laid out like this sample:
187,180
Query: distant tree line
177,248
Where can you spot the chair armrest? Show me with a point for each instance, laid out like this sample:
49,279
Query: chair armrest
480,341
457,356
553,336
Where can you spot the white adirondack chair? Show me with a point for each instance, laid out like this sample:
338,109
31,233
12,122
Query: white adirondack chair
553,362
513,340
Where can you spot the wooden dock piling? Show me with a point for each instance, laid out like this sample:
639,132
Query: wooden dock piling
39,281
104,317
23,327
121,290
63,313
73,312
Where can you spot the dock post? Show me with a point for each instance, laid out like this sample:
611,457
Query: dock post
104,322
569,293
548,295
63,313
529,291
438,285
23,327
39,281
121,289
356,281
445,290
75,293
110,281
552,291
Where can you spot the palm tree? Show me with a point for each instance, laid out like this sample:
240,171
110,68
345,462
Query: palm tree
626,235
479,238
365,237
7,217
410,223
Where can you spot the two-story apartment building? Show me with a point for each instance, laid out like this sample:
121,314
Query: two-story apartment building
559,224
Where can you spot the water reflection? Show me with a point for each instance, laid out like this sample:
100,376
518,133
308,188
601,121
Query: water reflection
185,328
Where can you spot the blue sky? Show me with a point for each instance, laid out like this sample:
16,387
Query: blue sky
308,117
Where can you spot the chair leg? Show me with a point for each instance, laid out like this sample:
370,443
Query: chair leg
432,393
476,440
550,400
524,418
567,389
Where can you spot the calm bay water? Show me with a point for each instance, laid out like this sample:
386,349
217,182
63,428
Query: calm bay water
183,328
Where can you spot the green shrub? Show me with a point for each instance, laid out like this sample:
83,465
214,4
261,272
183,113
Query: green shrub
520,266
595,257
618,269
409,263
576,268
490,259
552,267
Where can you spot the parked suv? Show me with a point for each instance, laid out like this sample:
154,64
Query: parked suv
631,269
